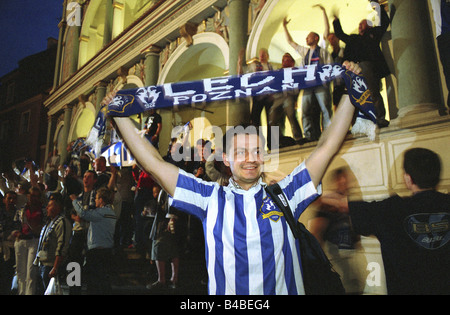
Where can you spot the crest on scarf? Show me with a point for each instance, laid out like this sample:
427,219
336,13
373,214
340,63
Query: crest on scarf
328,72
148,96
363,94
428,230
120,102
270,211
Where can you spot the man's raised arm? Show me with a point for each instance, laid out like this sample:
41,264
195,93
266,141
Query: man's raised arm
149,159
331,140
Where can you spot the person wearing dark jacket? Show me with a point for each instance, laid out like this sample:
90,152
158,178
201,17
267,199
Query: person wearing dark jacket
413,231
364,48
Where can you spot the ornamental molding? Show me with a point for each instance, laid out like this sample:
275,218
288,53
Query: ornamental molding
125,49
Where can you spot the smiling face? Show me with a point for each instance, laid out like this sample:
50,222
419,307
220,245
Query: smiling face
312,39
287,61
263,56
245,159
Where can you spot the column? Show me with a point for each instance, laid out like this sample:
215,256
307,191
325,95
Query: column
151,63
151,74
72,41
107,32
62,26
75,34
238,111
118,18
65,132
100,93
415,57
50,133
238,30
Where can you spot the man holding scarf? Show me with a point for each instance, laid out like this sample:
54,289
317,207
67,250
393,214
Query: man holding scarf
234,217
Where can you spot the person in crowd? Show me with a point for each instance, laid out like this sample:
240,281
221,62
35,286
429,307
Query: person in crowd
103,176
121,183
413,231
85,161
333,230
143,194
364,48
285,104
165,247
22,191
51,170
216,170
100,240
9,223
53,242
153,127
321,95
77,248
199,160
242,256
262,101
72,185
337,55
27,239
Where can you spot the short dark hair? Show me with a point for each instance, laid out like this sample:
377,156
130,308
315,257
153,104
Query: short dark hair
424,167
57,198
237,130
93,172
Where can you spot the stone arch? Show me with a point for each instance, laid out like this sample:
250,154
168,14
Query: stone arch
82,121
209,54
208,41
92,31
267,31
133,80
59,143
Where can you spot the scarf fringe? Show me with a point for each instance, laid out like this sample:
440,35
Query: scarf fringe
94,141
366,127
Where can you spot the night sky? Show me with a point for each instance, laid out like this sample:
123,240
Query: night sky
25,26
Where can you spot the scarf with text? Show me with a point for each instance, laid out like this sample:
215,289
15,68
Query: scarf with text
138,100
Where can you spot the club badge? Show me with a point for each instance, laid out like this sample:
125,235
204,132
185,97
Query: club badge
428,230
270,211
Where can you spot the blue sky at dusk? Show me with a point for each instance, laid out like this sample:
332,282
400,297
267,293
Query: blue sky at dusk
25,26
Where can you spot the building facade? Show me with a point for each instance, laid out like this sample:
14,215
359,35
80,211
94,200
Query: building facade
118,44
23,118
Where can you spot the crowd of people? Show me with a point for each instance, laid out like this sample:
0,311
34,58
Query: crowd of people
317,103
85,211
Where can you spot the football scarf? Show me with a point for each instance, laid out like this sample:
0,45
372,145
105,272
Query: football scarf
96,135
138,100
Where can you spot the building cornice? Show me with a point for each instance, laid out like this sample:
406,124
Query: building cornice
152,29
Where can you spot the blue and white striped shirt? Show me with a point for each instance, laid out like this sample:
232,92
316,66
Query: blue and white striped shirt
249,246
